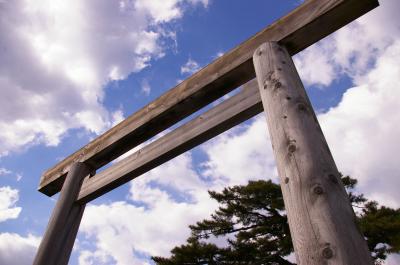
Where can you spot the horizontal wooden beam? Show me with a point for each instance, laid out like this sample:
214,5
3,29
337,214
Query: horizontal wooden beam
224,116
304,26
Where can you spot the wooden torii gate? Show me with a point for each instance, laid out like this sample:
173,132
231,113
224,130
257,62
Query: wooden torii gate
321,219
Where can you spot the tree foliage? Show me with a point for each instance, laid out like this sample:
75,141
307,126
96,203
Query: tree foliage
252,219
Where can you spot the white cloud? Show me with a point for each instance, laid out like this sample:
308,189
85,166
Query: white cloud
18,176
8,200
243,153
4,171
177,174
190,67
117,117
363,129
351,50
169,198
158,225
161,10
57,56
97,257
16,249
204,2
146,89
321,72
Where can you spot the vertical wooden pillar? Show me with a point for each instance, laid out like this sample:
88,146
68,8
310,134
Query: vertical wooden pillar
321,219
57,243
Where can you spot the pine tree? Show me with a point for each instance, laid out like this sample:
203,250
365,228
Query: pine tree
252,219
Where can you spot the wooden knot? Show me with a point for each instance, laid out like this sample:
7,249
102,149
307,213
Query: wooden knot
292,148
317,189
269,75
332,178
265,84
301,107
286,180
327,253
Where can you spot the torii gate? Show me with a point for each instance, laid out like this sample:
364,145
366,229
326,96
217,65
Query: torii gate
321,219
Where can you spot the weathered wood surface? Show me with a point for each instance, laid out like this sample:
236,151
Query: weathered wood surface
56,245
321,219
307,24
222,117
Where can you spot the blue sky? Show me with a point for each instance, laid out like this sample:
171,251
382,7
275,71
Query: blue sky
70,70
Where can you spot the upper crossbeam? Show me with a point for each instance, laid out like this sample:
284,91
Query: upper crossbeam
302,27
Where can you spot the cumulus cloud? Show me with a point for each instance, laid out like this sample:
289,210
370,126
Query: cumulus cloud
351,50
57,56
8,200
326,68
161,11
97,257
161,205
164,10
163,202
363,129
16,249
190,67
241,154
4,171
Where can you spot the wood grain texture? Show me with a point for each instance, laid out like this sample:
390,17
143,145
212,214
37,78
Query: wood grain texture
321,219
307,24
224,116
56,245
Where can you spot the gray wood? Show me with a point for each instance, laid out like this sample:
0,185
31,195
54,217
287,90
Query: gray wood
72,227
321,219
224,116
307,24
56,245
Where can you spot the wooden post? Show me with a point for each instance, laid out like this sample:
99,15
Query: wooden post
57,243
321,219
